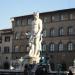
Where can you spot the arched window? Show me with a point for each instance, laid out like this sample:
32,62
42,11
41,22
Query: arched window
52,33
70,30
52,47
70,46
44,47
60,47
61,31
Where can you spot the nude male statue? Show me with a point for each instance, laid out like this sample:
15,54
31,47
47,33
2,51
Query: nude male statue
36,38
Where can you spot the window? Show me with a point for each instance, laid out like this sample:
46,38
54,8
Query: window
52,33
29,21
7,38
17,35
61,31
45,19
6,49
70,30
70,46
71,16
60,47
16,48
53,18
44,47
18,22
52,47
24,22
62,17
0,39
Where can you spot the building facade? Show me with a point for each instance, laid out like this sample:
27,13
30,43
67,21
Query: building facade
5,47
58,45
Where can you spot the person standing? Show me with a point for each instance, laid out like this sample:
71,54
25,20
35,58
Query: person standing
26,70
70,72
41,71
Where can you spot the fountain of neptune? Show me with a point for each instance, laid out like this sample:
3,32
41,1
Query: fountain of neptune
34,47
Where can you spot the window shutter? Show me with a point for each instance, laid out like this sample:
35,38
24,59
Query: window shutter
65,47
47,47
56,47
48,33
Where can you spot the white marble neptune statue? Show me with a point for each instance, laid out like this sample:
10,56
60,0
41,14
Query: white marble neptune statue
35,38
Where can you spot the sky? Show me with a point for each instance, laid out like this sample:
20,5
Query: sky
12,8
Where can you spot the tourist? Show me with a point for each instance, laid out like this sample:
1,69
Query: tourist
26,70
70,72
41,71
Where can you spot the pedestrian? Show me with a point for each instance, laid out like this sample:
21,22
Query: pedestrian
41,71
44,72
26,70
70,72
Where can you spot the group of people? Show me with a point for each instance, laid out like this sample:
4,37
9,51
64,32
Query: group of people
39,71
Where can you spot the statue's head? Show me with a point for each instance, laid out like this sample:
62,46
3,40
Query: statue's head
36,15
